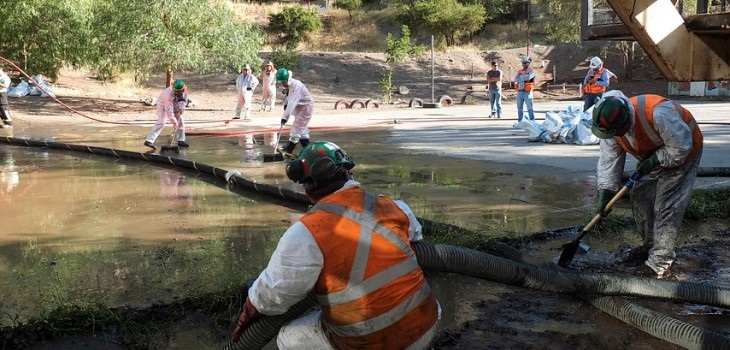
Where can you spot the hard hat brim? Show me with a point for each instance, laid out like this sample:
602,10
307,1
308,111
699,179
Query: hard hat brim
602,134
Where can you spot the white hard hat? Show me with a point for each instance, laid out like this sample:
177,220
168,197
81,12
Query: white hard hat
595,62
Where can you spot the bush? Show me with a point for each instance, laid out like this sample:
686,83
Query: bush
398,50
386,85
284,57
292,24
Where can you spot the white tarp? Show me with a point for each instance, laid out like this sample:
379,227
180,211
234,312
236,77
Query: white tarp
24,88
569,126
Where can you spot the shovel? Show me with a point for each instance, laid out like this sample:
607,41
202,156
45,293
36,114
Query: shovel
276,156
569,249
172,147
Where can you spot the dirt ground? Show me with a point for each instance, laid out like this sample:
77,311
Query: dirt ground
517,320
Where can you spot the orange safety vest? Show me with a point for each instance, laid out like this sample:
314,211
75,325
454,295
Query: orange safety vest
647,138
372,292
591,87
529,85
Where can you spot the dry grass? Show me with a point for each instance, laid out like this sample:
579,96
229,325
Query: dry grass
342,33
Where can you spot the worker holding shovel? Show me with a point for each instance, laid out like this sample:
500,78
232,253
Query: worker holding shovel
170,106
298,103
666,140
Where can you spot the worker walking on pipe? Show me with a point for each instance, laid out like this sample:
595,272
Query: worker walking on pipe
298,103
170,107
371,291
245,85
666,140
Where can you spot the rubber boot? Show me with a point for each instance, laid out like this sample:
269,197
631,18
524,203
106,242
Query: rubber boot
247,114
304,142
287,151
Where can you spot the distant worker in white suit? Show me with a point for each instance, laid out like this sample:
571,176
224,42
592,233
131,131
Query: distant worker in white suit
245,84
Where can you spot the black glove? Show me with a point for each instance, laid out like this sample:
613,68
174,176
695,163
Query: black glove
283,121
248,89
285,106
604,196
285,91
648,165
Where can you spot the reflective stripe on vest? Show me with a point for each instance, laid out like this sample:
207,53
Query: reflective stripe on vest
647,139
370,286
591,87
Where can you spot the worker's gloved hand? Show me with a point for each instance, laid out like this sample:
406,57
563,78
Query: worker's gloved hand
283,121
248,315
604,196
248,89
648,165
285,91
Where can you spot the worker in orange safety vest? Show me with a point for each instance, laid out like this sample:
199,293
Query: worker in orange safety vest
524,84
353,250
595,82
666,140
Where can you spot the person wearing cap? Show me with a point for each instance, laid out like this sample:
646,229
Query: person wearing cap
595,82
353,251
170,106
494,81
4,110
245,84
268,86
298,102
524,84
667,142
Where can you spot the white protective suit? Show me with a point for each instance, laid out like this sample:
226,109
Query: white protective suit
268,90
292,273
300,104
171,108
245,85
660,199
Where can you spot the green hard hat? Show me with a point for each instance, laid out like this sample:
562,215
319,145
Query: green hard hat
611,117
282,75
317,163
178,85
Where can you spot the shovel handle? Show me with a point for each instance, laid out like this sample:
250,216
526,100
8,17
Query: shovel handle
596,219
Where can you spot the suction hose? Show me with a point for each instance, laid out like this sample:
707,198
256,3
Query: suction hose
477,264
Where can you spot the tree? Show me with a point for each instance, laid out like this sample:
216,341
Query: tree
397,50
42,36
349,5
118,36
292,24
144,37
563,23
449,18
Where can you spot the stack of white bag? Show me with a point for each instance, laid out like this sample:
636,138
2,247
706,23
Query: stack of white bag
24,89
569,126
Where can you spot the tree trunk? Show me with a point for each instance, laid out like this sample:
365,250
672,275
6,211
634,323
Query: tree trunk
168,83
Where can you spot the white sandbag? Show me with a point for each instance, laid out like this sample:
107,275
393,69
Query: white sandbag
20,90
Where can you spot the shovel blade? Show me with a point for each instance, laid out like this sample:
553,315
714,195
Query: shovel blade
569,250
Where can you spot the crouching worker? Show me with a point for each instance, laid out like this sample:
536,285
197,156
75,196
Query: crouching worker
352,250
170,106
667,142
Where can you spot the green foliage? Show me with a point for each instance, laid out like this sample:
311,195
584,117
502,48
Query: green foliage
397,50
117,36
287,58
179,34
349,5
292,25
708,203
449,18
41,36
386,85
563,23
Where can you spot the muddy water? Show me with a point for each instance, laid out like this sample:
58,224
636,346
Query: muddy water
79,228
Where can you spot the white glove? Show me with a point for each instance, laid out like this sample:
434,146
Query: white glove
230,174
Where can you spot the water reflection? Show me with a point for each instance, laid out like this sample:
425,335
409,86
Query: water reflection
175,192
